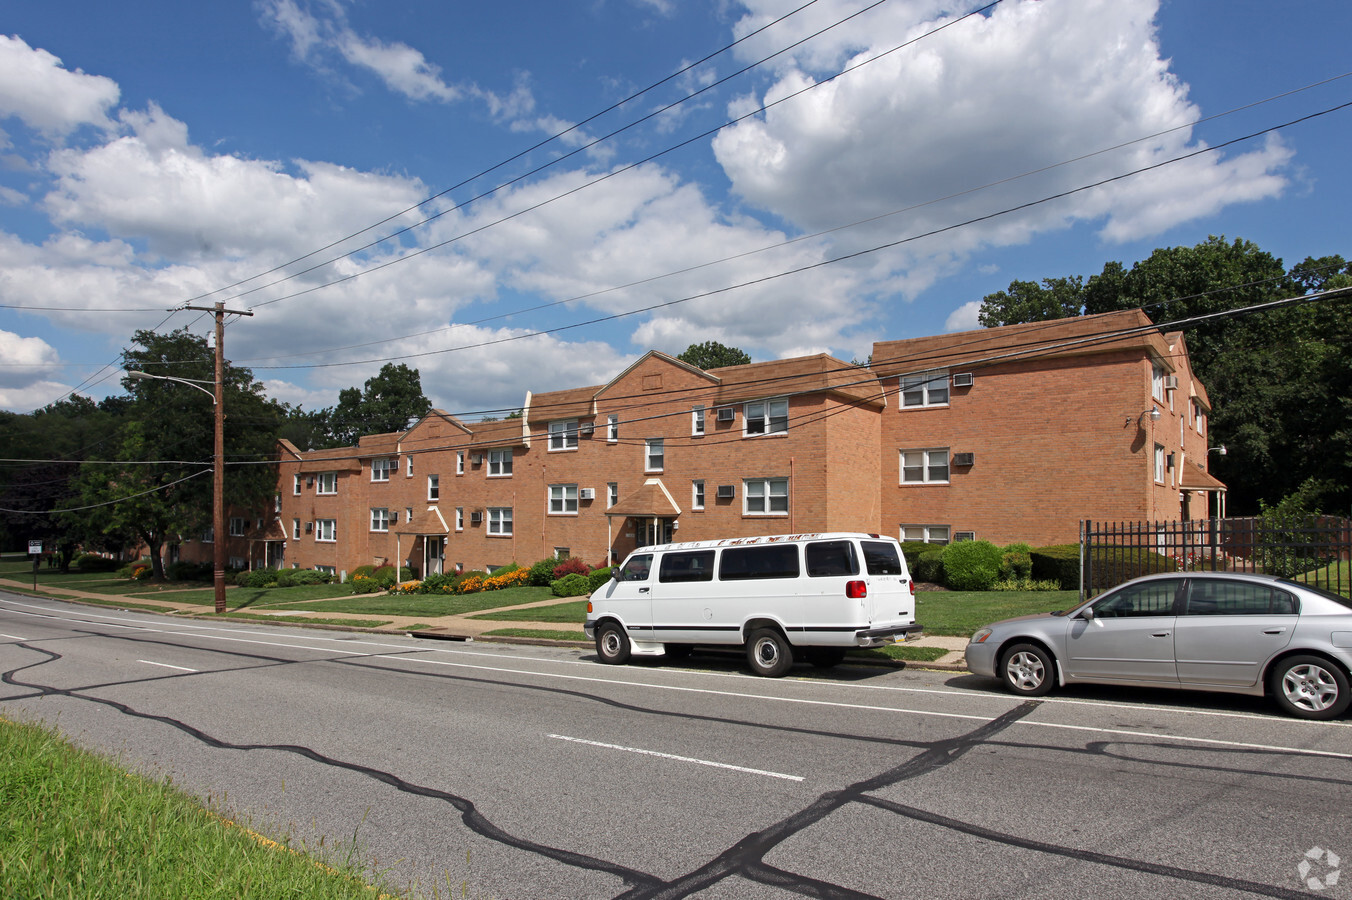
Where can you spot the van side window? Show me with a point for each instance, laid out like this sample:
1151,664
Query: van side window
880,558
771,561
695,565
637,568
826,558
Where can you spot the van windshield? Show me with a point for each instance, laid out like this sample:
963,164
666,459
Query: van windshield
882,558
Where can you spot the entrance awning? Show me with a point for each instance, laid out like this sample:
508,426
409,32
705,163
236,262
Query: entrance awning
427,522
1195,478
650,500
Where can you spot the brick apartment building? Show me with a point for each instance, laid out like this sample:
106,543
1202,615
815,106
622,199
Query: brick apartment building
1004,434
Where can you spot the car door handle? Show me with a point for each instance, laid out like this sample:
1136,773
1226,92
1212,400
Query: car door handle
1274,630
1160,634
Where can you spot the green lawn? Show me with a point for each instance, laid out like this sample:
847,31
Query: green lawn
421,605
538,633
574,611
75,825
959,613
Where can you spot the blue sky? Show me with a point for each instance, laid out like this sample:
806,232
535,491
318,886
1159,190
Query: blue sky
153,154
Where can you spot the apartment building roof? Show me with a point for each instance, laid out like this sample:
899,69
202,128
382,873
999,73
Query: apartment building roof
651,499
801,374
377,445
1076,336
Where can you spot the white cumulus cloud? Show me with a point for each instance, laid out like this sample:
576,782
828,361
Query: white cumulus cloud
36,88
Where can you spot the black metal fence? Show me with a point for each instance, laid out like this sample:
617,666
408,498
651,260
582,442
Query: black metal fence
1314,550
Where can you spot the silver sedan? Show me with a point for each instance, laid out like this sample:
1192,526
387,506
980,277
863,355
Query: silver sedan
1206,631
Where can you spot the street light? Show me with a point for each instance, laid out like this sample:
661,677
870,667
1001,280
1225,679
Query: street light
217,477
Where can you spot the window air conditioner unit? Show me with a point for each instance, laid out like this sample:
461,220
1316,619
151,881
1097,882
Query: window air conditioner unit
964,459
1171,382
476,458
586,493
726,492
964,536
586,428
475,518
309,527
726,414
963,379
394,518
309,481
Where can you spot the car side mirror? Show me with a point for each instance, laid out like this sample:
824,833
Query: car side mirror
1087,613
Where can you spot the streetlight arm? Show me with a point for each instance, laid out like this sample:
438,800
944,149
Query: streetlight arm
190,382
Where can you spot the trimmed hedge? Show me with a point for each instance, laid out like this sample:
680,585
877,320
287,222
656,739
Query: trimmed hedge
929,566
573,585
92,562
599,577
971,565
1059,563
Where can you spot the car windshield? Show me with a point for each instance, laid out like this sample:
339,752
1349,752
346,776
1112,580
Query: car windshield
1327,595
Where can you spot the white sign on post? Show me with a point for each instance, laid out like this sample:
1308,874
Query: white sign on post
35,548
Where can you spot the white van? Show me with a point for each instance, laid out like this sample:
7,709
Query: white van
820,594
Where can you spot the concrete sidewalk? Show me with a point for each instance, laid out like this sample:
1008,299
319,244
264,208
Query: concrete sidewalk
453,627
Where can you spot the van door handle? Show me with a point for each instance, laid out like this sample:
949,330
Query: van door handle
643,590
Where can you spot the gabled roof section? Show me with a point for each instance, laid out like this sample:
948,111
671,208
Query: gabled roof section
657,356
799,375
335,459
376,445
1129,329
503,433
573,403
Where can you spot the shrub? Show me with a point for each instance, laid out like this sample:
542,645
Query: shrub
1016,563
599,577
128,570
1110,566
1059,563
542,572
187,571
437,583
91,562
509,578
142,571
929,566
1025,584
458,581
259,578
505,570
572,585
912,550
365,584
364,571
570,566
971,565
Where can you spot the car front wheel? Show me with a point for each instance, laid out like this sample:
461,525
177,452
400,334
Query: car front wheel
1310,687
612,644
1027,669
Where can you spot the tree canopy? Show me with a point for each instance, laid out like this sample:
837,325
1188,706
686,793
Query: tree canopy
713,355
390,401
1278,379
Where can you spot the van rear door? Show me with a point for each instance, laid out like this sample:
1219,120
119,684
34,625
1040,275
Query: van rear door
891,594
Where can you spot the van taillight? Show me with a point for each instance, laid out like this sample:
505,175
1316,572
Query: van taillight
912,588
856,590
589,606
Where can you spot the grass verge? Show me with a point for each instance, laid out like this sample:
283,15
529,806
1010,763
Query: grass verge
74,825
544,634
573,612
959,613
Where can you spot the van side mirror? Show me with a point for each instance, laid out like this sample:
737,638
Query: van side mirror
615,573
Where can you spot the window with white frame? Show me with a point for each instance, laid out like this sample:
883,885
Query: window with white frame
765,496
500,463
654,455
765,417
236,526
327,570
697,494
929,534
459,518
612,493
924,466
408,466
697,421
563,499
238,562
460,462
1199,417
295,484
1157,383
1159,464
500,520
328,483
326,530
209,536
433,487
925,389
408,514
563,434
612,428
295,529
380,518
380,469
276,503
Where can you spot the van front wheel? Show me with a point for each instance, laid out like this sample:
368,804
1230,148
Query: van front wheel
769,653
612,644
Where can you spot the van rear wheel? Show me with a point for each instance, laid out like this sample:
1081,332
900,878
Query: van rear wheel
612,644
769,653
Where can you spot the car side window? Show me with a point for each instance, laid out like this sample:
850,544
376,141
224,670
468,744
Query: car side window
1148,598
1222,597
637,568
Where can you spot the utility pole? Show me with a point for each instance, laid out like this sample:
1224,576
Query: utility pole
218,475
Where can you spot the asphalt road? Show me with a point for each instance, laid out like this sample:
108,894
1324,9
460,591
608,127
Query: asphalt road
532,772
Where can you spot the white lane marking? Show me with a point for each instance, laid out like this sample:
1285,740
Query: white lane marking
165,665
1299,751
348,645
689,759
13,637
